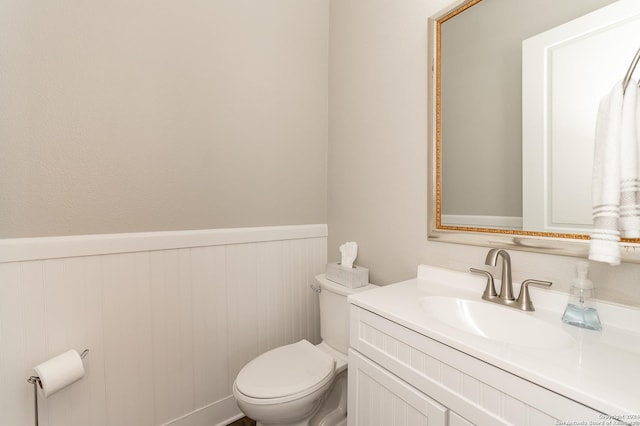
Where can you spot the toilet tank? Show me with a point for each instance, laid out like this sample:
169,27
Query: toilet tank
334,312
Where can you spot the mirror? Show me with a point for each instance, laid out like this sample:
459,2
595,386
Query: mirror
476,181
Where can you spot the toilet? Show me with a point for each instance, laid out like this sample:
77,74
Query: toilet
303,384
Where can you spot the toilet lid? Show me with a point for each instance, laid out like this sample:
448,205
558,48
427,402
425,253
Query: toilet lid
285,371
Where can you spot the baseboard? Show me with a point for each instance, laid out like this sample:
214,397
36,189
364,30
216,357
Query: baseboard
219,413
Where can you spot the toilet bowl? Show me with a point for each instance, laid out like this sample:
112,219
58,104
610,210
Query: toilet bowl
302,384
285,385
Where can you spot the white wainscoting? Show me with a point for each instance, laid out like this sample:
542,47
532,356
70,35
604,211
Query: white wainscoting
169,319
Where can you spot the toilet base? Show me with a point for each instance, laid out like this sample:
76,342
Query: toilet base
333,409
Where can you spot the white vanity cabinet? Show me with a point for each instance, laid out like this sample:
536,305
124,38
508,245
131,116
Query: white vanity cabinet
401,377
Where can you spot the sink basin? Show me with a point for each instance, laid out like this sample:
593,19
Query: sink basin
495,322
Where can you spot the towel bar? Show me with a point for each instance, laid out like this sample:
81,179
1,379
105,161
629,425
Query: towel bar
632,68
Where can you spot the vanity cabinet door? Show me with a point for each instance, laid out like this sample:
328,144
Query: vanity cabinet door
377,397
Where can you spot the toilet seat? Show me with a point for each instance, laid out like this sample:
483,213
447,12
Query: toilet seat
285,373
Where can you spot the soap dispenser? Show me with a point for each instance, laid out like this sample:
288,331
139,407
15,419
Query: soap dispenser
580,310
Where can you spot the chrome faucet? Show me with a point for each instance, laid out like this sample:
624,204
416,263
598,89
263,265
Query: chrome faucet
506,289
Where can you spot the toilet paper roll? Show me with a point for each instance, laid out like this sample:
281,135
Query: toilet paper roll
59,372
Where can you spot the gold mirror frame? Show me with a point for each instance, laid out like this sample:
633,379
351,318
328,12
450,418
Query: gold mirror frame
542,242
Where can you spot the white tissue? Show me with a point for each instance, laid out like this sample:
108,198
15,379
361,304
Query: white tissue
349,253
59,372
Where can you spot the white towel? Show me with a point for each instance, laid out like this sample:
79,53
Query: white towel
629,173
605,238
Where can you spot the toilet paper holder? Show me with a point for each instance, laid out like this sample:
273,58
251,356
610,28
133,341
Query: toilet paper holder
35,381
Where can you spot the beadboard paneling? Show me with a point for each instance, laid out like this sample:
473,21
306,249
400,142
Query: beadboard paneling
168,328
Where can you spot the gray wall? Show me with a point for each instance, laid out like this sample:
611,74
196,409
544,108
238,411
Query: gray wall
378,132
117,118
147,116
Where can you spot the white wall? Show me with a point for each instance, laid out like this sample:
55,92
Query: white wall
169,319
130,116
378,132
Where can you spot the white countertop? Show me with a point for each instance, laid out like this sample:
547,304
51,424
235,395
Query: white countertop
601,369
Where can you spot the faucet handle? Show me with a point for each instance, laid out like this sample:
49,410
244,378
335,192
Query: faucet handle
490,290
524,299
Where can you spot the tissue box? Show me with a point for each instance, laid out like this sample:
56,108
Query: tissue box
353,277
